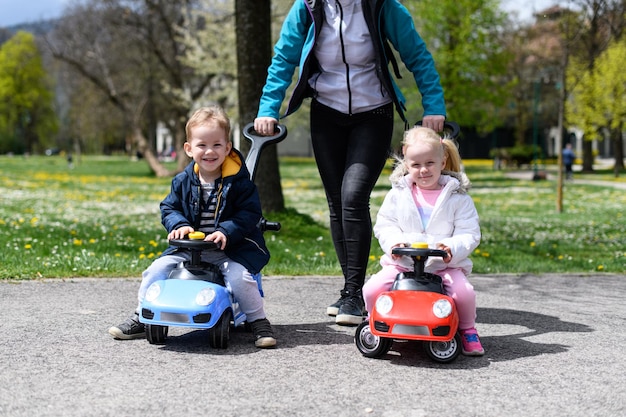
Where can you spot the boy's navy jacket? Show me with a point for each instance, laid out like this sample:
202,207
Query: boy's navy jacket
237,215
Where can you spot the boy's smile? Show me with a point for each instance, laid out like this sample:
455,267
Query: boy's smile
209,147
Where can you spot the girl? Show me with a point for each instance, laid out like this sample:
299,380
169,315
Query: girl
429,203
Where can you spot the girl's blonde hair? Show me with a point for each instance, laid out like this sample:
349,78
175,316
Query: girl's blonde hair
208,114
418,134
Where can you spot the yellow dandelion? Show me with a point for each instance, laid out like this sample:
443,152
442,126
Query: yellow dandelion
28,246
142,256
372,257
476,251
600,267
485,254
141,249
153,243
533,244
78,242
92,240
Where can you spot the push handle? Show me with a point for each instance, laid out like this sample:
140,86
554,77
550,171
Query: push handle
450,129
258,143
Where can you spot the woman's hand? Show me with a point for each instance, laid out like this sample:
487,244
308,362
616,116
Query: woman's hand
265,126
434,122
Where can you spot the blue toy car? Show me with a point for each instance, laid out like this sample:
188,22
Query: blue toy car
195,295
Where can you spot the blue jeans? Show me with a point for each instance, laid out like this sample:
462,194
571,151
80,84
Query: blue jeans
351,151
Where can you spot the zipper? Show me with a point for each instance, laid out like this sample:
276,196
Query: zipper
343,55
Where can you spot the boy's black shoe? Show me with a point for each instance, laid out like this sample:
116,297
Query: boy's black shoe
263,333
130,329
351,311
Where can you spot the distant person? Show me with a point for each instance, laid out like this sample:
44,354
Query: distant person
214,195
343,52
428,202
568,161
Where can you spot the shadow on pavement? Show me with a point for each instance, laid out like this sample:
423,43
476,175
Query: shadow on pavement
508,346
242,342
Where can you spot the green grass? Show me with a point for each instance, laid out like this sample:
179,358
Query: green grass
102,219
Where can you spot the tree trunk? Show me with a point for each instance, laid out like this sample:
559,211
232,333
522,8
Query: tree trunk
618,149
254,46
148,154
587,156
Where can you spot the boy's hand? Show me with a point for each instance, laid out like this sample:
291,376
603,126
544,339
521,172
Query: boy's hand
447,249
180,233
218,238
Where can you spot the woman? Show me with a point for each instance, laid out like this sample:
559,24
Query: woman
342,50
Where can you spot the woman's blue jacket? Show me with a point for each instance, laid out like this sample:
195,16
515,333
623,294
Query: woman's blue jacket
388,20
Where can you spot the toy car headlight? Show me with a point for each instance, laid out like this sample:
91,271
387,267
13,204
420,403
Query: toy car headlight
205,296
442,308
153,292
384,304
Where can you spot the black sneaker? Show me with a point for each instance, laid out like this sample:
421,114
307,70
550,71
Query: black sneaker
130,329
333,309
351,311
263,334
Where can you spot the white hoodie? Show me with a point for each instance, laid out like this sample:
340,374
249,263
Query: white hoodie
453,222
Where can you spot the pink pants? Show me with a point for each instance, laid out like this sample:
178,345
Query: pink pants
455,284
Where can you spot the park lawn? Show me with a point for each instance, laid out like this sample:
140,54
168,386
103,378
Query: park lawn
101,219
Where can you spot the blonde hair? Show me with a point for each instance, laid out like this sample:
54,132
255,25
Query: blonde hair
447,146
204,115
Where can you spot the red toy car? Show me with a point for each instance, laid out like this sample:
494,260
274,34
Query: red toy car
416,308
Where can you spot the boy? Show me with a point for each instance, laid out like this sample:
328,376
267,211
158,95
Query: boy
214,195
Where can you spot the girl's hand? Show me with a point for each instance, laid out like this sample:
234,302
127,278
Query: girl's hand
179,233
218,238
447,249
398,245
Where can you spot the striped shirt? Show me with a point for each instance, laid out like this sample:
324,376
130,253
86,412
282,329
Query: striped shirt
209,208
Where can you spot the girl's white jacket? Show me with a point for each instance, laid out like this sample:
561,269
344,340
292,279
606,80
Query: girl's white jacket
454,222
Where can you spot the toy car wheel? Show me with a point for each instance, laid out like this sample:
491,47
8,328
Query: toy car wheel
156,334
370,345
219,334
444,352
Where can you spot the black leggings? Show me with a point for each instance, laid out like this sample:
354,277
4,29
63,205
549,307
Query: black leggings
351,152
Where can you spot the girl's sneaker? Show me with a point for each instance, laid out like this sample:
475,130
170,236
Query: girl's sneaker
471,343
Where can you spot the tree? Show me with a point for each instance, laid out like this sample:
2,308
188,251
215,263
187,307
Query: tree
599,98
253,57
465,37
27,119
140,55
601,21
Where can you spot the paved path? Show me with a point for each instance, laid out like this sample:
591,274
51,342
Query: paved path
552,176
555,346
